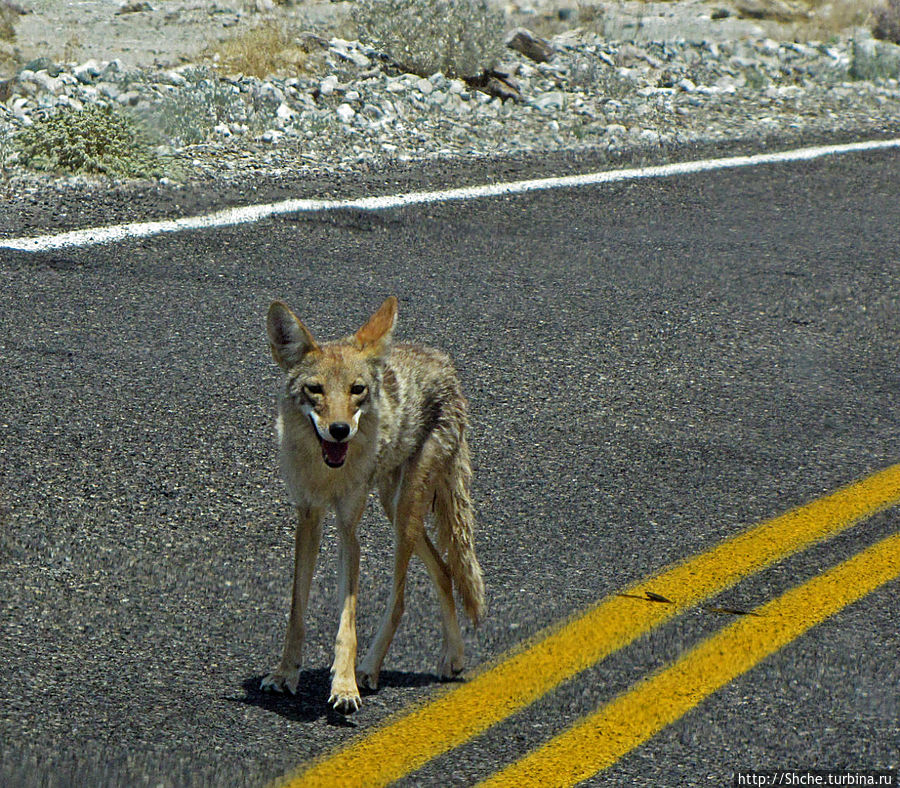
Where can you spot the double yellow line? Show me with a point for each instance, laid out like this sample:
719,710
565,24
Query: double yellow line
412,738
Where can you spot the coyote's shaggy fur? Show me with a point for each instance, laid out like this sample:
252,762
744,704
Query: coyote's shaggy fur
362,413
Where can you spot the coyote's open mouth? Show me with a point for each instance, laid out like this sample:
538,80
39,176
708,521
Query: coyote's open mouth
333,453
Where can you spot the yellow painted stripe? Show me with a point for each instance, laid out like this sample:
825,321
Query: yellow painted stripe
460,712
602,738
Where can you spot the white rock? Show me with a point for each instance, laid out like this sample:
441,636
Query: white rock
270,92
20,106
284,112
424,86
345,112
86,71
553,100
129,99
70,103
112,68
173,78
222,130
348,50
784,91
108,90
328,85
726,84
46,82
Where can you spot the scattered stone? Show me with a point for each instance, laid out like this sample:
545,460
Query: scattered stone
130,98
172,78
551,101
776,10
139,6
284,113
272,136
328,85
42,64
495,83
347,50
310,42
87,71
47,83
532,46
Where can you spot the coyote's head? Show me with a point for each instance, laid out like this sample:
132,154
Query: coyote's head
333,384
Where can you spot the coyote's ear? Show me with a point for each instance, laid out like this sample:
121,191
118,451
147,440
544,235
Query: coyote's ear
289,339
375,335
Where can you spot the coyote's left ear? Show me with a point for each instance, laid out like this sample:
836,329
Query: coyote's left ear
375,335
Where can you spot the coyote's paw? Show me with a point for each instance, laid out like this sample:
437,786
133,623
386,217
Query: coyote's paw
344,696
367,675
281,679
451,662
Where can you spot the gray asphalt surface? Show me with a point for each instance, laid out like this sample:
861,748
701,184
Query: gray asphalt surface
651,367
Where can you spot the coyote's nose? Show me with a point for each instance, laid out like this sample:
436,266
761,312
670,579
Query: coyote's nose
339,430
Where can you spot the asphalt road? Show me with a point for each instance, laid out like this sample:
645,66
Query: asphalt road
651,366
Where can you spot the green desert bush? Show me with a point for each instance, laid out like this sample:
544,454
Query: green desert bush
95,140
460,38
188,113
873,60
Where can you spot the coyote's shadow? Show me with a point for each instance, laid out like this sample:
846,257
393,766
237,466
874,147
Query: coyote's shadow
311,701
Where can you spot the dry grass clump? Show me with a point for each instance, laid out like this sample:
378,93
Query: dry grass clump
270,48
9,13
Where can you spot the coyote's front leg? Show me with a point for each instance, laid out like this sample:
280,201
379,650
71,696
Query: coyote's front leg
306,549
344,692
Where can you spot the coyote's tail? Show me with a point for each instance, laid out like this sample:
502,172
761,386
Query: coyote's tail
455,520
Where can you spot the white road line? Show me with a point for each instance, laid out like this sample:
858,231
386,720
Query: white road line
254,213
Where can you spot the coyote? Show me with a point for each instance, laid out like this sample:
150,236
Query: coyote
360,413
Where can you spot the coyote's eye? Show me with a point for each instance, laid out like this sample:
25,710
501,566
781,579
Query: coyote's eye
314,388
357,389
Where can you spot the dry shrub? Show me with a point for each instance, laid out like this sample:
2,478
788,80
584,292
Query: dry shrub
460,38
833,17
267,49
9,13
887,22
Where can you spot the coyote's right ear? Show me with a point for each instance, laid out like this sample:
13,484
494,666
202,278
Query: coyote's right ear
289,339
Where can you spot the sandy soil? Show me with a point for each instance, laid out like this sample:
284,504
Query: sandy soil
173,32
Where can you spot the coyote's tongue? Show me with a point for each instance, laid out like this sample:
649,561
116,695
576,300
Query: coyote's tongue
334,453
